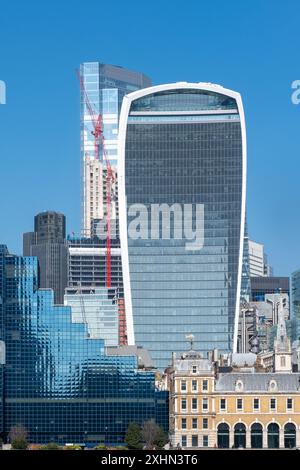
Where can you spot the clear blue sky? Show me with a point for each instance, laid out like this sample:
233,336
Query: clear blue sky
251,46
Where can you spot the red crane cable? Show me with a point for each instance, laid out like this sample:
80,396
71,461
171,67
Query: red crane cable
97,132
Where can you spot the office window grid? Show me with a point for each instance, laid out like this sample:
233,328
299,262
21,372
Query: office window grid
185,162
59,383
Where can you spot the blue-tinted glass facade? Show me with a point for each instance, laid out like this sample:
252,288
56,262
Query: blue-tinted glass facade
105,85
3,253
184,146
59,383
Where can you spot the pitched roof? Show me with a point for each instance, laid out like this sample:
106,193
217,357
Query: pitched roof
259,381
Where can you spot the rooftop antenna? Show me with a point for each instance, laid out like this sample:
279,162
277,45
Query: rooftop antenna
190,338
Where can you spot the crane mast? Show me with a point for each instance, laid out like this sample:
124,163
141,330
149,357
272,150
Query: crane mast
97,132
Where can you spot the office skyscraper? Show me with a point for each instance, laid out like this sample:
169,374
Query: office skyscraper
48,244
182,145
105,86
258,260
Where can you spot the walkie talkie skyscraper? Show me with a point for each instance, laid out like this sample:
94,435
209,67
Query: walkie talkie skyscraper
182,173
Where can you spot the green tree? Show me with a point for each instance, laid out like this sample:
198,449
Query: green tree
133,436
161,438
18,437
19,444
150,433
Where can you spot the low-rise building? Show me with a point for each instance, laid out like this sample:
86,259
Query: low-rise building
219,403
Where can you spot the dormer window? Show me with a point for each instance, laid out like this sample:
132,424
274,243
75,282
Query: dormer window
239,386
194,369
272,385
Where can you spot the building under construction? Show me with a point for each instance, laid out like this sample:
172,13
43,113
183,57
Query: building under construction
87,273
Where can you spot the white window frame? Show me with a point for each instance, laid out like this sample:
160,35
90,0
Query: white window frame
273,409
186,440
205,429
181,382
181,427
290,409
223,409
192,423
256,409
205,410
194,410
194,391
205,391
236,404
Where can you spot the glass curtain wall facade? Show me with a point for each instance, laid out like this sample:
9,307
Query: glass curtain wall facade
3,254
182,144
105,86
59,382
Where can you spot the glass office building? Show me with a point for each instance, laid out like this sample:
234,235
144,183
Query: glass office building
57,381
105,87
182,145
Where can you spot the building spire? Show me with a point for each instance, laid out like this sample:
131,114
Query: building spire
282,344
282,338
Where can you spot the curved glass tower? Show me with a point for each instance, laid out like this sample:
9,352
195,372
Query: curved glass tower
182,186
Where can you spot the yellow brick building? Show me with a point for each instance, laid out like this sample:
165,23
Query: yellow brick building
242,408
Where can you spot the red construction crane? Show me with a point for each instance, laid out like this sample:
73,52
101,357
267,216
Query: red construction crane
97,132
